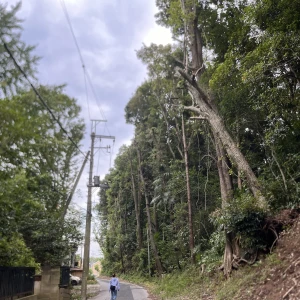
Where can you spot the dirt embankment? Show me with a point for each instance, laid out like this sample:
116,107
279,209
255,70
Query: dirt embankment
283,280
273,277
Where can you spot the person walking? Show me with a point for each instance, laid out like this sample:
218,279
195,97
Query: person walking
114,287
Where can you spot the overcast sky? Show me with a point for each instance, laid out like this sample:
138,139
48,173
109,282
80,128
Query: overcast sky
108,33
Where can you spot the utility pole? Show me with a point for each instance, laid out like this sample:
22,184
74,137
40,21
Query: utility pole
86,258
87,241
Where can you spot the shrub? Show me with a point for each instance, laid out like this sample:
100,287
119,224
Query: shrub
245,218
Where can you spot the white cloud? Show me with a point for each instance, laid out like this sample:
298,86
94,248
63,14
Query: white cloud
158,35
97,29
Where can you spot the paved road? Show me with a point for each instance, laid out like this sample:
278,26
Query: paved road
127,291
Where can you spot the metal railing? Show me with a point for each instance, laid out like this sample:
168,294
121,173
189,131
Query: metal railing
16,282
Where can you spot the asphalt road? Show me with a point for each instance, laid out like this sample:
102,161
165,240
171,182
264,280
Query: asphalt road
127,291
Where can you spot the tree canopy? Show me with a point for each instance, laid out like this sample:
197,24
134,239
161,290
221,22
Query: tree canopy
37,160
216,138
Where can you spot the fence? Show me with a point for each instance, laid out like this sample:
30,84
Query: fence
16,282
64,276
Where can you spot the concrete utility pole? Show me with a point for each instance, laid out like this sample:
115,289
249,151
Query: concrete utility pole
87,241
86,258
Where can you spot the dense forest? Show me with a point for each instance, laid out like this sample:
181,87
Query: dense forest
215,152
38,157
216,144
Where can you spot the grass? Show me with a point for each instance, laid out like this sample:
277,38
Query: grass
177,284
91,292
191,284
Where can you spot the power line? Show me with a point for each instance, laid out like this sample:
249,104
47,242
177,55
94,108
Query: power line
72,31
86,93
41,98
95,95
86,74
65,10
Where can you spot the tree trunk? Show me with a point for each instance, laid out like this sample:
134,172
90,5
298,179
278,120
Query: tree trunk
193,35
137,207
226,195
233,249
122,259
189,202
151,237
226,185
205,104
205,110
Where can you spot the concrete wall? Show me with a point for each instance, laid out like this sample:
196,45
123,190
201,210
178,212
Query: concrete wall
32,297
49,285
50,281
64,294
37,284
46,286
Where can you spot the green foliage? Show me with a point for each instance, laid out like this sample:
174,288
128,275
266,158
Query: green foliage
36,169
140,261
212,257
91,278
245,219
277,15
15,253
180,284
253,79
192,283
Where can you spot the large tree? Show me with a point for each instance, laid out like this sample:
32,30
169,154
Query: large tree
189,20
37,168
231,85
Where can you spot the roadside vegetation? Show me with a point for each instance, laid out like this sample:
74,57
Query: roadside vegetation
200,197
271,277
215,154
37,159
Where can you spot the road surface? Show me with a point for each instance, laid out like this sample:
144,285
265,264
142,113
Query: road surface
127,291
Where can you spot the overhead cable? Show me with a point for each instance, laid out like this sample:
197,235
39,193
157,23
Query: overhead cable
86,93
72,31
86,74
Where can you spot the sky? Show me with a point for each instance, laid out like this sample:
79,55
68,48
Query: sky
108,33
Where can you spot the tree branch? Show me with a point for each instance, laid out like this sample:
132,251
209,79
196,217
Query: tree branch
194,84
197,118
202,115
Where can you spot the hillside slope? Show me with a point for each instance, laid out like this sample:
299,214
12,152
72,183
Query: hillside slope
282,280
273,277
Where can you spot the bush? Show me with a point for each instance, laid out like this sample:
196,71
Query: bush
91,278
245,219
211,258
